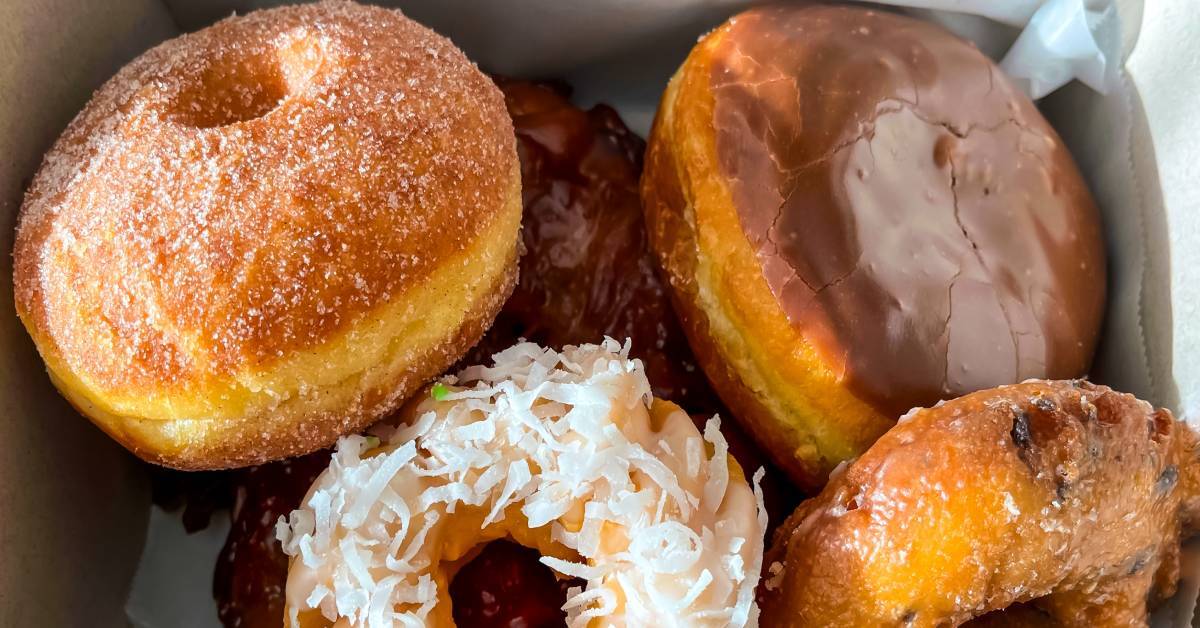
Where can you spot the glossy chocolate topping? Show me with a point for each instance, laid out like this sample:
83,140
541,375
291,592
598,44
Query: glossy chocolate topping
915,216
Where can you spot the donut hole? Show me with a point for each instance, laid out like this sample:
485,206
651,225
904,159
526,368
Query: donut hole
229,91
506,585
239,87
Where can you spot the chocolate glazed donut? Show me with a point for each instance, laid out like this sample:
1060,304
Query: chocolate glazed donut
860,214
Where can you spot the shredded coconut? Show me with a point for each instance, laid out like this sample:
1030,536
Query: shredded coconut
660,540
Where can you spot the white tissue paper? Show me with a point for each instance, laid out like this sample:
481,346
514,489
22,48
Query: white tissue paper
1058,45
1057,41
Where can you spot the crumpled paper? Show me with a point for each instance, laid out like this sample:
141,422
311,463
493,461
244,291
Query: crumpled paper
1059,44
1058,40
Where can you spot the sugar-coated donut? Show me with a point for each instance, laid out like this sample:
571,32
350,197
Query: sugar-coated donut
1068,495
860,214
266,234
567,453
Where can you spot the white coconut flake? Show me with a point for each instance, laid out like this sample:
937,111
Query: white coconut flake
695,450
564,438
573,570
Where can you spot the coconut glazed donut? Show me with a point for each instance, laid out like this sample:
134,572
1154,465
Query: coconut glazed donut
266,234
565,452
860,214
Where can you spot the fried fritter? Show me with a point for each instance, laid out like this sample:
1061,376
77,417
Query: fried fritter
1065,494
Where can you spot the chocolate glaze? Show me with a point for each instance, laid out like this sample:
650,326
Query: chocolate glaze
915,216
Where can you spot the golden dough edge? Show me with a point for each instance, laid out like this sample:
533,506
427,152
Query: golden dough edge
807,427
414,347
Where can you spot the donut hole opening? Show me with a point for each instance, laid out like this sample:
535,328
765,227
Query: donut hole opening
506,584
241,87
229,91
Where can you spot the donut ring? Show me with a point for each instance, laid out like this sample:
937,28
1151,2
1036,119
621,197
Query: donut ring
264,235
1064,494
566,453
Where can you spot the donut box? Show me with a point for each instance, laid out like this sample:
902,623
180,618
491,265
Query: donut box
82,544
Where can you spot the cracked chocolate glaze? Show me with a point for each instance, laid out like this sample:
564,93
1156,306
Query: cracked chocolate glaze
915,216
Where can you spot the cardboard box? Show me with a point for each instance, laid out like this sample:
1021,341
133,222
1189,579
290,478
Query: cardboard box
74,506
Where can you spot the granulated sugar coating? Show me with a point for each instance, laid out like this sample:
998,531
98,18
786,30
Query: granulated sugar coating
289,202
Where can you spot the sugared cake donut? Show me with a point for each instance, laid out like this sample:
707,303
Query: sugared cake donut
568,453
859,214
264,235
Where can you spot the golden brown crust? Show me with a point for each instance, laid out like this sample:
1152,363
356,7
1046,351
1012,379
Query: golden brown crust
764,370
1065,494
674,239
220,257
286,432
